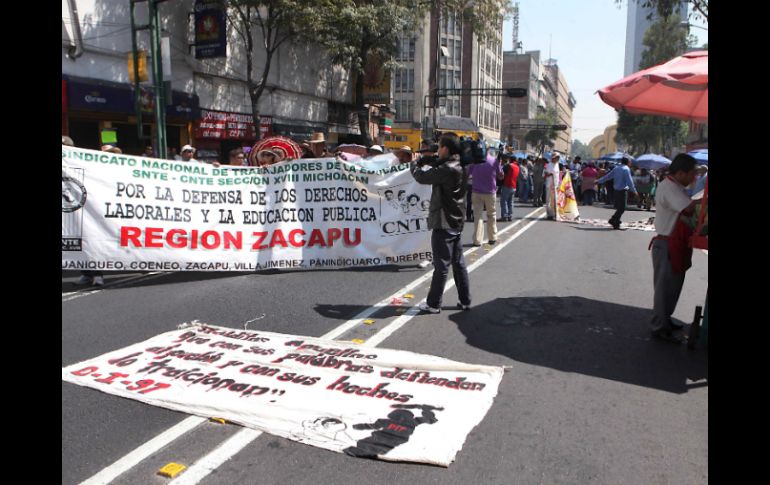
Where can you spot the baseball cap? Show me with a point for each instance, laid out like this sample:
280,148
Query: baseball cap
187,147
376,148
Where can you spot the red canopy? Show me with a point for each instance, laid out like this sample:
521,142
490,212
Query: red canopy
678,88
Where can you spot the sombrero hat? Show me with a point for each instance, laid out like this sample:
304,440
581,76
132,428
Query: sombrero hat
284,148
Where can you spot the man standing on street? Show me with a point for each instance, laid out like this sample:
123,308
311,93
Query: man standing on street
622,184
445,218
551,176
671,254
485,177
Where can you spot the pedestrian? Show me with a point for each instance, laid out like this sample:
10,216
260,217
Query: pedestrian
317,147
485,177
577,179
236,157
404,154
511,171
188,152
268,157
173,155
445,218
551,176
622,183
523,183
589,176
539,181
671,254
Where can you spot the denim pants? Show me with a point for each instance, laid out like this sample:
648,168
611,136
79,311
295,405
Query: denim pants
621,199
506,202
448,251
524,191
588,197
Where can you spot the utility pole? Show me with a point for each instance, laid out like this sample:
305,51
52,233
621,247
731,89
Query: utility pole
157,77
157,74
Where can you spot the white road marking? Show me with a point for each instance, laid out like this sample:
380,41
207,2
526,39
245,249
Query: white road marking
237,442
130,460
117,284
203,467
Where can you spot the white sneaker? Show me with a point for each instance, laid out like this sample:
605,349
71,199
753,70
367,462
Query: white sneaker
85,280
427,308
424,264
98,281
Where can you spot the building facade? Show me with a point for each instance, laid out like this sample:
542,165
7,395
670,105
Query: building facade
605,143
564,102
211,106
521,71
448,55
636,26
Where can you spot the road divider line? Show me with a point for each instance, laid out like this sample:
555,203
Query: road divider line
237,442
385,302
412,312
130,460
203,467
116,284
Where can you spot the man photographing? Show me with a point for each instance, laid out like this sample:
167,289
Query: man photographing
445,218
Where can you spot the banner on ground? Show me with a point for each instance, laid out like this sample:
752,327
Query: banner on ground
123,213
566,203
363,401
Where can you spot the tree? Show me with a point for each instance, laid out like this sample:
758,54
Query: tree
665,40
353,31
277,21
579,149
540,138
665,8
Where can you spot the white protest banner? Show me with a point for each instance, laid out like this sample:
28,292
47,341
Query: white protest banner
121,212
363,401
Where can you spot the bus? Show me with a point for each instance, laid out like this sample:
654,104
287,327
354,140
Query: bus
403,136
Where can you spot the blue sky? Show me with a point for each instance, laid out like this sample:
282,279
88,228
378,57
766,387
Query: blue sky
588,39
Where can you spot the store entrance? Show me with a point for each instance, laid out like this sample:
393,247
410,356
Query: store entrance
85,134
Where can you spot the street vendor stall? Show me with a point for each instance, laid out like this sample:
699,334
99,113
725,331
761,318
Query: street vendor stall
679,89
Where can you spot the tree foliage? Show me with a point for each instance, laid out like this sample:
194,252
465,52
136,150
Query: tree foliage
665,8
665,40
540,138
276,22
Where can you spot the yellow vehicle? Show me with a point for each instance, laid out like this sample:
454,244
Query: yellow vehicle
403,136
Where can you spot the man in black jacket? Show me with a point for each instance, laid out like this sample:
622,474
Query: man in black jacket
445,218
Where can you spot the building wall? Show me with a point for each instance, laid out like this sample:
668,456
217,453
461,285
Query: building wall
604,143
300,85
520,71
636,25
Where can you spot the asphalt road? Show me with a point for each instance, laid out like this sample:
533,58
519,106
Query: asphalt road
588,398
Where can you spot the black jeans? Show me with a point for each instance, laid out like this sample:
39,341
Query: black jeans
448,251
621,199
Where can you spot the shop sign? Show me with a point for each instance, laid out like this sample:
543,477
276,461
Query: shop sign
96,97
210,30
221,125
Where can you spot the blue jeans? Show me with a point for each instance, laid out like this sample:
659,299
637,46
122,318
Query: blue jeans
588,197
506,202
524,191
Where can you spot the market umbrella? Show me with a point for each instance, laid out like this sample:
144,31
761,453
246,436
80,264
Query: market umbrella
701,156
677,88
616,156
286,147
650,161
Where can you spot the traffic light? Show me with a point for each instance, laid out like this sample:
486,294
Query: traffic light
516,92
142,56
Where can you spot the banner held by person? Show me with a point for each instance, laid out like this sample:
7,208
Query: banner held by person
121,212
363,401
566,203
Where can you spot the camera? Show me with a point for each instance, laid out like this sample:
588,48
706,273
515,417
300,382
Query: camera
431,160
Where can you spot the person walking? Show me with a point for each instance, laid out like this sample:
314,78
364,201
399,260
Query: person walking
589,175
622,183
512,170
445,218
485,177
551,176
671,254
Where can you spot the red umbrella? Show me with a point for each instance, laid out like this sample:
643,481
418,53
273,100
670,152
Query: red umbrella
678,88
